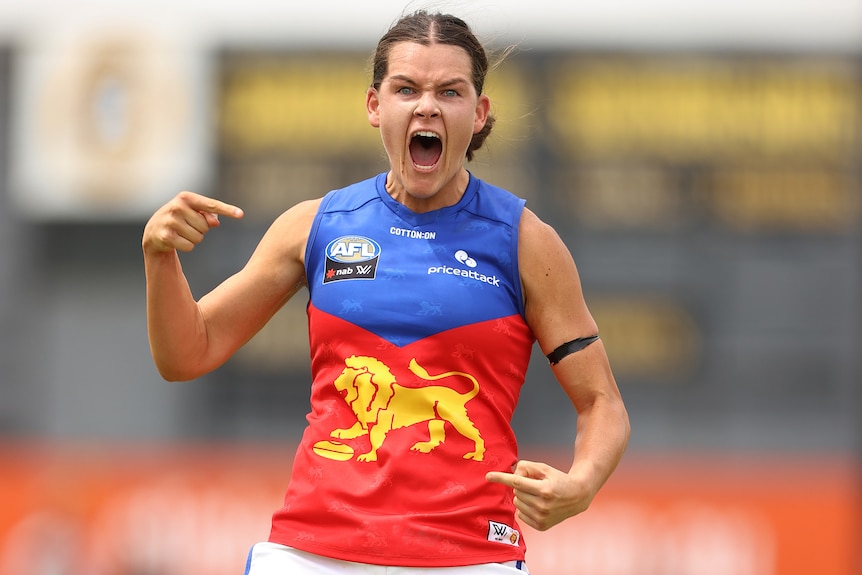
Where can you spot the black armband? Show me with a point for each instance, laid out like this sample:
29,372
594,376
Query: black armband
569,348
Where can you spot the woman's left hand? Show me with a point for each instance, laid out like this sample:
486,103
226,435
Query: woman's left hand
544,496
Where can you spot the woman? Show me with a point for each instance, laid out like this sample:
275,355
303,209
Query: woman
427,288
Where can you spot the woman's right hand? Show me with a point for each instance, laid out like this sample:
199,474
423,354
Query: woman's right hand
182,222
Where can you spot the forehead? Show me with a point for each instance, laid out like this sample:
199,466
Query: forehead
440,62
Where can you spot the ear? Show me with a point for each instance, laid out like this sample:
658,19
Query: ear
372,106
483,108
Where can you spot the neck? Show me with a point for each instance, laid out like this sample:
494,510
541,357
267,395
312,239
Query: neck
420,202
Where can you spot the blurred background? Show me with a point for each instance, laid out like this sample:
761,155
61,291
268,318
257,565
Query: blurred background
702,160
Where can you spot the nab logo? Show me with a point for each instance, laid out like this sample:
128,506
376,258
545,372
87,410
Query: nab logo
351,258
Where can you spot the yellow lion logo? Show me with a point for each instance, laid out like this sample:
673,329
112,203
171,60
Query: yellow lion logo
381,405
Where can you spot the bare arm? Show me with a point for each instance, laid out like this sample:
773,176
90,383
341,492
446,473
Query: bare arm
189,338
557,313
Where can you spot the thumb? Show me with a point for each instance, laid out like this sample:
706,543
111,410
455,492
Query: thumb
211,218
531,469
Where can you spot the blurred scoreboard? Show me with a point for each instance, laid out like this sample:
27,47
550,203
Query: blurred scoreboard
756,144
712,203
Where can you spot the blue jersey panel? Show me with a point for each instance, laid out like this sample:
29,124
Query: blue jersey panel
404,276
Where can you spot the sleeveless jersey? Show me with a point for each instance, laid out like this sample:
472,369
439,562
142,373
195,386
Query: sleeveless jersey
419,349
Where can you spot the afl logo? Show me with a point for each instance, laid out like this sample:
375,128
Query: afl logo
351,258
352,249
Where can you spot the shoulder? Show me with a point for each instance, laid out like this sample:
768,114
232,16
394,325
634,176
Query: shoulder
536,237
545,262
299,216
288,234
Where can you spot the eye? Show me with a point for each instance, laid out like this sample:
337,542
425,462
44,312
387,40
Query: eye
405,91
450,93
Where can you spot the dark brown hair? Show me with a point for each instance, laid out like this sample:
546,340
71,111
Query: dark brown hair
425,28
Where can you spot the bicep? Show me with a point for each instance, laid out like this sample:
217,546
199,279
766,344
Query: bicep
557,312
241,305
555,307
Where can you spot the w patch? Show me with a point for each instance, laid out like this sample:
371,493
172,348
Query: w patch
502,533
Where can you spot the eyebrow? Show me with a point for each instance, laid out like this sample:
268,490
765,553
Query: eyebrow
445,84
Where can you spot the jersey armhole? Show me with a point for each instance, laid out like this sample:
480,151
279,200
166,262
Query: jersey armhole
518,285
312,235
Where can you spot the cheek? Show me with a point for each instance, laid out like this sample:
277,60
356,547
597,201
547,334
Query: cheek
467,125
393,140
393,127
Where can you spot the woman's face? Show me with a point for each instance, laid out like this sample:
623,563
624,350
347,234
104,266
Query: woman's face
427,110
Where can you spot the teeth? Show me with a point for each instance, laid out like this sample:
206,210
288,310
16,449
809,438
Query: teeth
427,135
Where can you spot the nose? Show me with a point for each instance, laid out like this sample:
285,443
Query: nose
427,106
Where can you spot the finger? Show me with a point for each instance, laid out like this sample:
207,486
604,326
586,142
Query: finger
204,204
526,514
189,223
539,522
535,510
167,238
534,470
224,209
181,244
511,480
507,479
201,221
518,482
211,219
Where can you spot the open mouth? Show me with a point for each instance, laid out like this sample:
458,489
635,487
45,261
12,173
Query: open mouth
425,149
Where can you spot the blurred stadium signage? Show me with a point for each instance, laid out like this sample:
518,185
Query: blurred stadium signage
106,125
137,509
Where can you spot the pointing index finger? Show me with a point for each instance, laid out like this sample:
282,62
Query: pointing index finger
516,481
207,205
509,479
223,209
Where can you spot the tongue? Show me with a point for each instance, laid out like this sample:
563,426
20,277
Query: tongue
425,151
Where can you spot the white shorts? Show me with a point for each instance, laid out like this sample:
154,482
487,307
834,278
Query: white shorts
274,559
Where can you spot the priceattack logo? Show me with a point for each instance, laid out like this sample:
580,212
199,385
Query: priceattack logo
464,259
351,258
